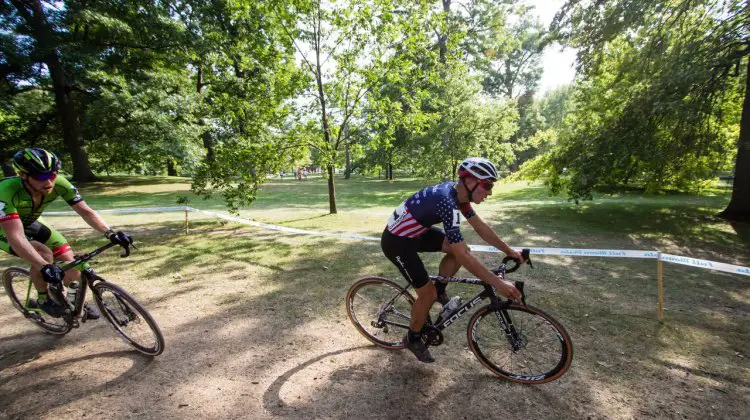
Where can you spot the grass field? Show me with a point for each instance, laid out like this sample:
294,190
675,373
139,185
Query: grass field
256,326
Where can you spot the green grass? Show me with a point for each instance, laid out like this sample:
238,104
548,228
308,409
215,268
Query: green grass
523,214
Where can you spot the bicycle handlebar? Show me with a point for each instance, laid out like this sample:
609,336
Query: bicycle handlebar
79,259
526,253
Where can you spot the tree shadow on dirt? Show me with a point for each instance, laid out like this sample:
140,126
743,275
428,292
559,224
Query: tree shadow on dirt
742,229
248,338
46,379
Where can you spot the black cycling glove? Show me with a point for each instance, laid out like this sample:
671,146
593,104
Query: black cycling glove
52,273
120,238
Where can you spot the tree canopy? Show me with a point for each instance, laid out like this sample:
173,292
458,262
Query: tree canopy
231,92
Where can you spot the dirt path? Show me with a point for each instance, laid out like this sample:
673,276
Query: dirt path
263,341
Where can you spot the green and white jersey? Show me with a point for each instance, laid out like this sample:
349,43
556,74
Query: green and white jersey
16,202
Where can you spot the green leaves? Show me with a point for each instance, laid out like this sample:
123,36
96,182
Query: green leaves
655,106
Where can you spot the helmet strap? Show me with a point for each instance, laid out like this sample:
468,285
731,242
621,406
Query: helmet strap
470,191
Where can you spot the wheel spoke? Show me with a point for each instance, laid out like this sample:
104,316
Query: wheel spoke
536,351
18,287
131,321
375,306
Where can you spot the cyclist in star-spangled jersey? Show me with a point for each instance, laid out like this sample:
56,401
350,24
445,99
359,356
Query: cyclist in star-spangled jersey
410,230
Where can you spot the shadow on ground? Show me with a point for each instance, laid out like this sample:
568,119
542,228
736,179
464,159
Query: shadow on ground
256,327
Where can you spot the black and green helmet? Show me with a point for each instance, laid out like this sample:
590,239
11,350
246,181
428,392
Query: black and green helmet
34,161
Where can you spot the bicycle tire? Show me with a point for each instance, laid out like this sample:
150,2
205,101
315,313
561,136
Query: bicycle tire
123,311
383,326
544,350
16,282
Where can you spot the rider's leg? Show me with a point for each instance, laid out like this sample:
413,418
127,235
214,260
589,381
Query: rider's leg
42,300
75,275
72,274
36,277
402,252
61,250
449,266
426,296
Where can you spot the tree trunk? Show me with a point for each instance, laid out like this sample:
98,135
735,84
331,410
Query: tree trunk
208,142
443,44
739,206
48,49
443,38
171,170
331,191
348,170
324,118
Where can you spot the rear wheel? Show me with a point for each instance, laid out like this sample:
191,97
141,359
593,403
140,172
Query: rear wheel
380,310
520,343
18,286
131,321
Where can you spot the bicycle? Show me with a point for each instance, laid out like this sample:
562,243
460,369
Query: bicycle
130,319
517,342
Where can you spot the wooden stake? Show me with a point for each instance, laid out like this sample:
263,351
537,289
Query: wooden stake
186,221
660,286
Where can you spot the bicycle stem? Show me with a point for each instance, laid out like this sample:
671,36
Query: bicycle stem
80,259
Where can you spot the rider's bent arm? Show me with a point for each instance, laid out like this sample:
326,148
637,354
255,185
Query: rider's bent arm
91,217
488,235
17,239
461,252
464,257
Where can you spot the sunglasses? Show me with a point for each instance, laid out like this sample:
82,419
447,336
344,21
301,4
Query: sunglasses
44,176
486,185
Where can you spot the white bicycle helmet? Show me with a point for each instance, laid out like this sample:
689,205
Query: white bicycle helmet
479,168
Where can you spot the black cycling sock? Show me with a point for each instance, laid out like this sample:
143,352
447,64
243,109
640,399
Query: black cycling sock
443,299
413,336
440,289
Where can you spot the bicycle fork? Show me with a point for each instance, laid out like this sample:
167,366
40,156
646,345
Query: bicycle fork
511,333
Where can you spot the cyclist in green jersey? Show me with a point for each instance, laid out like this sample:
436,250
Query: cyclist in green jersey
24,233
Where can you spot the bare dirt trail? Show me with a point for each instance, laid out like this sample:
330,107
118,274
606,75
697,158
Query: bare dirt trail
264,341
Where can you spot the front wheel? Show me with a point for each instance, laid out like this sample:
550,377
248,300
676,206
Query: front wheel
131,321
520,343
380,310
18,286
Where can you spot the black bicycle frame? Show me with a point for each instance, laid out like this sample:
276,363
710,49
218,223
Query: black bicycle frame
87,274
488,292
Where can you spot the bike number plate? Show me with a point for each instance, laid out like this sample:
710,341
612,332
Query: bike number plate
397,216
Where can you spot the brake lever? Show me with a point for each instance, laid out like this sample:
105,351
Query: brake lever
526,254
127,251
519,286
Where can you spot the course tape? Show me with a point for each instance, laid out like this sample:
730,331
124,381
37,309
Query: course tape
282,228
576,252
711,265
127,210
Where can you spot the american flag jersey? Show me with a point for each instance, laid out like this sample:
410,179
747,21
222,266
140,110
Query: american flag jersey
430,206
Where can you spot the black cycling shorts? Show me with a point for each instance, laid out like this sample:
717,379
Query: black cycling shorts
39,231
403,253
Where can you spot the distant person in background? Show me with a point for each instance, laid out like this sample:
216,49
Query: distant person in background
25,234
